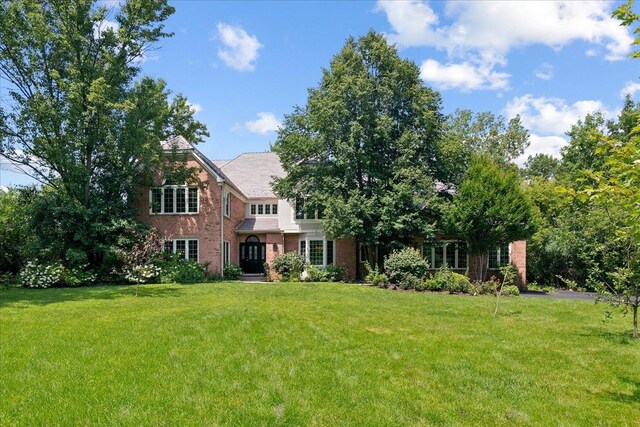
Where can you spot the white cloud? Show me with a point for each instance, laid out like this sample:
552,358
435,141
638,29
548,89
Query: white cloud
497,27
483,32
591,52
464,76
630,88
552,116
544,71
239,50
196,108
265,123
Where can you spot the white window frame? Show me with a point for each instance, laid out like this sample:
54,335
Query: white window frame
186,247
432,257
175,199
498,253
226,198
254,209
226,252
304,213
307,238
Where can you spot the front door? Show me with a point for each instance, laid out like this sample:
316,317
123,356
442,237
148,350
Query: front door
253,255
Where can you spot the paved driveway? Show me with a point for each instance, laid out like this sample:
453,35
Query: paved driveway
591,296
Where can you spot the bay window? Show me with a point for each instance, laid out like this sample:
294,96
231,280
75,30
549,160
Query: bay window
452,254
318,252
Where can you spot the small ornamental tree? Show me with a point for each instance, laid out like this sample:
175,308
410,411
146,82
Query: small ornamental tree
488,209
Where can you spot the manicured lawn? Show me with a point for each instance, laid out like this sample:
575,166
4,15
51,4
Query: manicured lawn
309,354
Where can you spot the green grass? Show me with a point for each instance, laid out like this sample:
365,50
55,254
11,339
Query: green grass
310,354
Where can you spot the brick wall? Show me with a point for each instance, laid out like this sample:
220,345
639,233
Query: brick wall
519,261
204,226
230,225
346,256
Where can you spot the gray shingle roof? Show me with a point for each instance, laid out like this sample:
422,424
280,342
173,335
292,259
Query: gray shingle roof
258,225
178,142
252,173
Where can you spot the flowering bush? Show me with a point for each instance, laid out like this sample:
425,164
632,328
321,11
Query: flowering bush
35,275
140,264
141,273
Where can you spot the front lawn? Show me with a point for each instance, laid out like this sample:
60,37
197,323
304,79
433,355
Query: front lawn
303,354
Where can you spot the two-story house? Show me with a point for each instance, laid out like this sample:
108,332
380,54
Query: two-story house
235,218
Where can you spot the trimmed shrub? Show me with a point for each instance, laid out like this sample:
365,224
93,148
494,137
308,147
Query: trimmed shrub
403,263
451,282
232,272
315,274
375,277
289,266
433,285
335,273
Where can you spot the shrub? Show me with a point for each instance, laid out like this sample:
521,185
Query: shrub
433,285
484,288
451,282
35,275
315,274
409,281
289,266
335,273
403,263
232,272
375,277
511,290
179,270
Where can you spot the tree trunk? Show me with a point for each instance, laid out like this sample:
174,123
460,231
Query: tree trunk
635,321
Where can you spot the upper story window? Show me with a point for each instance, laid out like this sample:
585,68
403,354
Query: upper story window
304,210
452,254
226,198
173,199
263,209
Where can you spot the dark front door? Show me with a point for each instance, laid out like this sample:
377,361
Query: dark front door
253,255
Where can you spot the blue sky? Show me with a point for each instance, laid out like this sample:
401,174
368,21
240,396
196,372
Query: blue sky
244,65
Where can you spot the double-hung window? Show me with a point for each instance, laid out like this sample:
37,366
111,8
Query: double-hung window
226,198
174,199
185,248
226,253
319,252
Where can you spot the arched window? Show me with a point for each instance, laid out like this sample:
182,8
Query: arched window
252,239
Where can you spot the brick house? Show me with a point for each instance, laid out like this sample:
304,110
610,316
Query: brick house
235,218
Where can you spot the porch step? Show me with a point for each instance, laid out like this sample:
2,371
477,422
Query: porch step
253,278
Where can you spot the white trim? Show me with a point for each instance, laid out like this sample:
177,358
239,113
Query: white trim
226,253
307,238
444,243
186,246
175,199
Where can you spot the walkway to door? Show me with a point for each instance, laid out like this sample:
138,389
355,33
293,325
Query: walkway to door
253,254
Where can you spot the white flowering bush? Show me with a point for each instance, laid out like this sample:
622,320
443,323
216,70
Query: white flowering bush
142,273
35,275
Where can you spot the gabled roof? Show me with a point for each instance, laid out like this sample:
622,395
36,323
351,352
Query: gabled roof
176,142
252,173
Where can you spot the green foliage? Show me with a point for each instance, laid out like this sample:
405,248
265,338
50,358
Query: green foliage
365,146
409,281
335,273
628,18
315,274
489,208
511,290
433,285
403,263
465,135
232,272
36,274
289,266
541,165
14,223
375,277
80,119
176,269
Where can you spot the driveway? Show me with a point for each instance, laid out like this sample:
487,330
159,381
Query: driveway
590,296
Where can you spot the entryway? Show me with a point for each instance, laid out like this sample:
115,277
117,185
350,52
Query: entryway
253,255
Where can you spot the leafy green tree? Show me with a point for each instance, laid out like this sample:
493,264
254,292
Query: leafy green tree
489,208
628,18
14,223
466,134
79,118
541,165
364,147
617,192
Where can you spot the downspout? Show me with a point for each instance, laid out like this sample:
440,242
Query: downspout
222,230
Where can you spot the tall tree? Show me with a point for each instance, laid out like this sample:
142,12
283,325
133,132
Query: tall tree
79,118
541,165
629,18
364,146
76,118
489,208
466,134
